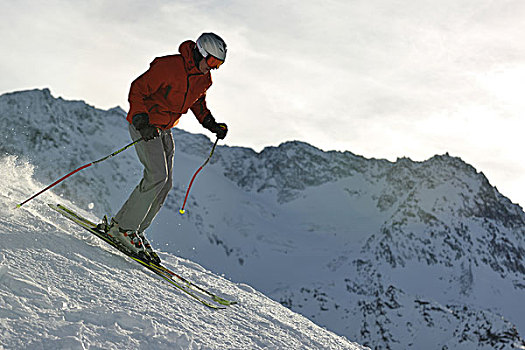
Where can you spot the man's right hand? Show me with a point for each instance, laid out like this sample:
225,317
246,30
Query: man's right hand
146,130
149,132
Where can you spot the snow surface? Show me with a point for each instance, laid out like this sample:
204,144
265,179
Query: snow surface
61,288
393,255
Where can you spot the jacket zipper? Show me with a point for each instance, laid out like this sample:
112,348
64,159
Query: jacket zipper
168,89
188,87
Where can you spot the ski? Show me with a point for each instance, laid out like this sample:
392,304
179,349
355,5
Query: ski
161,268
195,287
187,287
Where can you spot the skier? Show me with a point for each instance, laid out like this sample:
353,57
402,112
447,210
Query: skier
172,85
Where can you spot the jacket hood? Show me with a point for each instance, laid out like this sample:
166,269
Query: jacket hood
186,50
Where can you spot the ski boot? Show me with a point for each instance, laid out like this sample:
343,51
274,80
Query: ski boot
149,249
127,238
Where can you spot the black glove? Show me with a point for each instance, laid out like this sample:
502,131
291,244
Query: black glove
219,129
146,130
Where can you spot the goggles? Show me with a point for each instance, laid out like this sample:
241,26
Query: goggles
213,62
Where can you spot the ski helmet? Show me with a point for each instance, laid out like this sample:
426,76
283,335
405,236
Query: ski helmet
211,44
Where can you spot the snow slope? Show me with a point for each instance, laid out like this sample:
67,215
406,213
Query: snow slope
394,255
61,288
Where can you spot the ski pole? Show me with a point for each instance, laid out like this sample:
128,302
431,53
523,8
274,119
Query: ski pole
77,170
181,211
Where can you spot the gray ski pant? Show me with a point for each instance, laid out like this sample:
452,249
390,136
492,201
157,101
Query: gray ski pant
145,201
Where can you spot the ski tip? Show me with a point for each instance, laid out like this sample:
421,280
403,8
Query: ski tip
18,206
182,211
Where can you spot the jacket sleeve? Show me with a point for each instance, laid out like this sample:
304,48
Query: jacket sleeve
199,109
145,85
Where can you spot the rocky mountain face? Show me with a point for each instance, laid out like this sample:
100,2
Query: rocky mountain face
393,255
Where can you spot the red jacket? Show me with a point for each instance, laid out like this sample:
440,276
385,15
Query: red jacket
172,85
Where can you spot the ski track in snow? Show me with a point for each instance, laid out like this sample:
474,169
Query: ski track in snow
61,288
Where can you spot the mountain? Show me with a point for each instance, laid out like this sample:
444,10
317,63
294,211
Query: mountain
393,255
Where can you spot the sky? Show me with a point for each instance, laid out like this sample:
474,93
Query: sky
379,78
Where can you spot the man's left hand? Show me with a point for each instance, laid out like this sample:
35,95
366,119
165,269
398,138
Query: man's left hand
219,129
222,130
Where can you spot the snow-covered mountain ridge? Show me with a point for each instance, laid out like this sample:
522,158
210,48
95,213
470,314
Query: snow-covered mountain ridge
391,254
289,168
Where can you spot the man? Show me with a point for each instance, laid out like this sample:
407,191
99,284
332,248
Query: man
169,88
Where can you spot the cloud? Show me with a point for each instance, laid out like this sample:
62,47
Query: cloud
380,78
